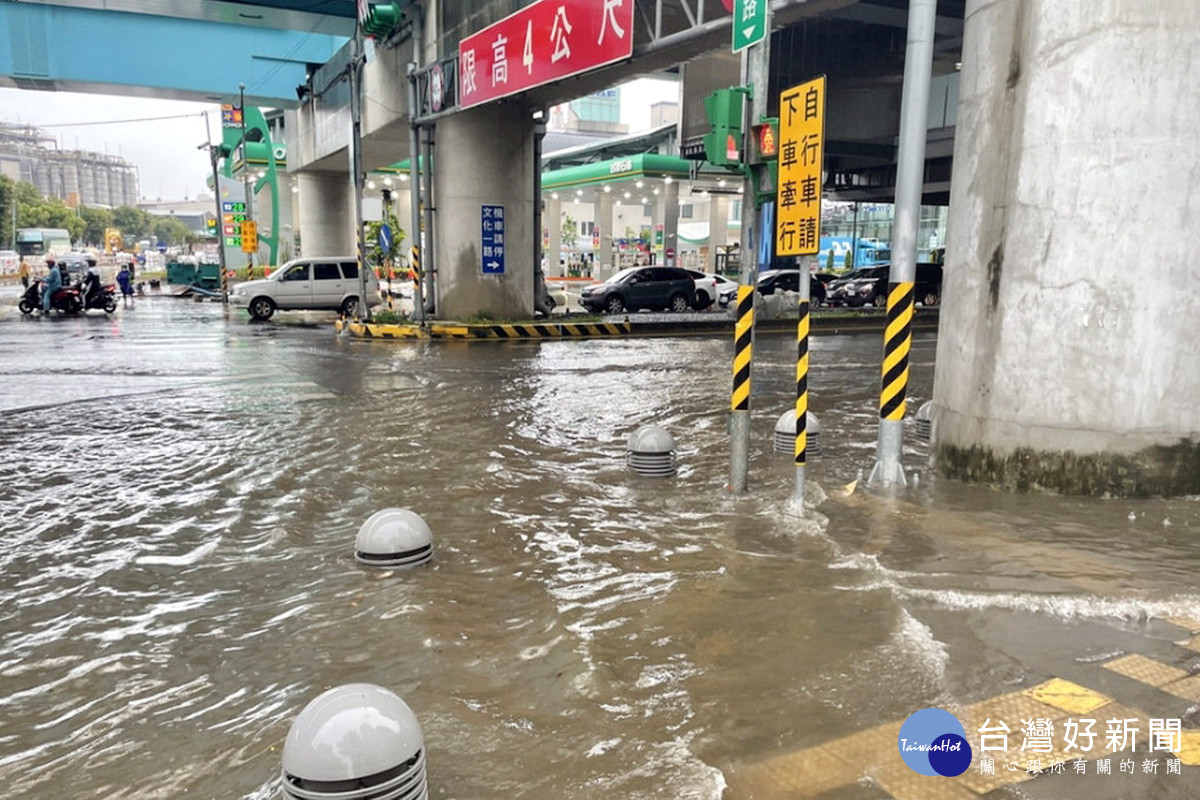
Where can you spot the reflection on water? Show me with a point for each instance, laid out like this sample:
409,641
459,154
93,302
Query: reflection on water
178,578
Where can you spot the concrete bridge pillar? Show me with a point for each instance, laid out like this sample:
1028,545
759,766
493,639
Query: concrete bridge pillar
484,156
326,214
1066,360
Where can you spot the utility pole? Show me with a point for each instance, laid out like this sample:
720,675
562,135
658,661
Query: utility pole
910,168
414,188
213,152
362,309
247,183
755,67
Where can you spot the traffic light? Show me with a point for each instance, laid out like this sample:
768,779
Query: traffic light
723,141
382,19
766,139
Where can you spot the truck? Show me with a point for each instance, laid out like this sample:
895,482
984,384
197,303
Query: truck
43,242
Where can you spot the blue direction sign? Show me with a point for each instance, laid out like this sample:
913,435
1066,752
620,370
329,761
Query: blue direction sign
493,239
162,247
385,238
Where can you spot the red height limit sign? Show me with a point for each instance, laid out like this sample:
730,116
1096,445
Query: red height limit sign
543,42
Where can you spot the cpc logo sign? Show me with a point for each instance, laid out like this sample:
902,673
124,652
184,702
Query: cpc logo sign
933,742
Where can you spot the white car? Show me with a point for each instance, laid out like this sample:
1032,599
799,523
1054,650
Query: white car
710,284
306,283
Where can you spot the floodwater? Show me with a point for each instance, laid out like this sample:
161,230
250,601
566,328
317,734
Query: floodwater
180,492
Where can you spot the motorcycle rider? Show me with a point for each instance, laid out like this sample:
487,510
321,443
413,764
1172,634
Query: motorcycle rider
50,285
91,282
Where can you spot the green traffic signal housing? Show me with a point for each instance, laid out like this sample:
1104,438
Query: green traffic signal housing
722,144
383,18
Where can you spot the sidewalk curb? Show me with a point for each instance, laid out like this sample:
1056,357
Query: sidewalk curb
925,320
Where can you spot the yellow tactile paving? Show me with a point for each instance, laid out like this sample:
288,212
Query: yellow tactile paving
976,781
1007,708
903,784
1067,696
1187,688
1189,752
871,748
1145,670
1187,623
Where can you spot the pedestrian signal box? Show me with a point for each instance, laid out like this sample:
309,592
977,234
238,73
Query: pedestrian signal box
766,139
249,236
724,110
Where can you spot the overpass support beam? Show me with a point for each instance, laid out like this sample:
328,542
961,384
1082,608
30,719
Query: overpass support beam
484,156
1060,367
326,214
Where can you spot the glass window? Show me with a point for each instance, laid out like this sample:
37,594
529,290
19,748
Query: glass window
297,273
326,272
685,211
350,269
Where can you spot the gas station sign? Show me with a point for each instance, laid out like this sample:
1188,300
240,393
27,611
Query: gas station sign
545,41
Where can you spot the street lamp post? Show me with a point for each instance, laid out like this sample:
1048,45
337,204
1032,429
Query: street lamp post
213,152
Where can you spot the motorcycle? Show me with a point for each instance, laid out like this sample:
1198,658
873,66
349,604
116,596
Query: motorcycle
66,299
103,296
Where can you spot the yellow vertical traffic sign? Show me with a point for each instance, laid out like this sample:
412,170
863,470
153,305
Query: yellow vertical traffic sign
801,151
249,236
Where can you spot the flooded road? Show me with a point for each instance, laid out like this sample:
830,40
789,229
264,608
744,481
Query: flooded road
180,493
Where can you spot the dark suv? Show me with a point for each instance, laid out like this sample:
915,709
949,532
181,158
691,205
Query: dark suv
927,289
668,288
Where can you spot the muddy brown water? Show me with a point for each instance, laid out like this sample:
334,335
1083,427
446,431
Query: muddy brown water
180,492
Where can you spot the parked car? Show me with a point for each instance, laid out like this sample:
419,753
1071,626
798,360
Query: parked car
780,280
668,288
860,287
306,283
710,285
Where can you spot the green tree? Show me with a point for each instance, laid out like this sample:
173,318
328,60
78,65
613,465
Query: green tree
170,230
95,220
133,221
570,232
22,194
375,252
849,260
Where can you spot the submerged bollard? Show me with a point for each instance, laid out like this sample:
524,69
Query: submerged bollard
394,538
355,742
784,438
923,421
651,451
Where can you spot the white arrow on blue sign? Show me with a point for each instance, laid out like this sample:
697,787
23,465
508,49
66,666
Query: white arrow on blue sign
385,237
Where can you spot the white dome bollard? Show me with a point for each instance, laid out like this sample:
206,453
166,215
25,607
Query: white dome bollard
355,742
784,439
650,450
394,538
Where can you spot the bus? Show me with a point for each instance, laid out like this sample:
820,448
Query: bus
43,242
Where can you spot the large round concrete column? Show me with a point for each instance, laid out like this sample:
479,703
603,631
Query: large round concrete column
670,221
1066,356
604,220
326,214
484,156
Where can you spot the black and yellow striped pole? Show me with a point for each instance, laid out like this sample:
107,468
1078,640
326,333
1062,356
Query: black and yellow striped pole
801,388
910,181
743,348
897,342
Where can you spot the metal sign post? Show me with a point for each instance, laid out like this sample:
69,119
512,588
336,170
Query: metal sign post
910,164
798,197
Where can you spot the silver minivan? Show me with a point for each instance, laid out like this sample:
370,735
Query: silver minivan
330,282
